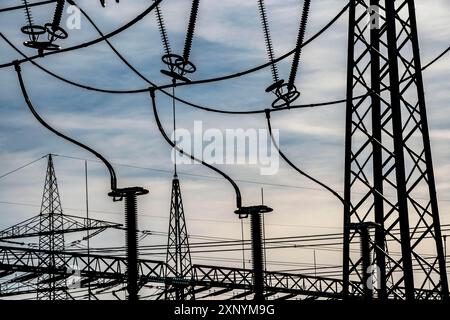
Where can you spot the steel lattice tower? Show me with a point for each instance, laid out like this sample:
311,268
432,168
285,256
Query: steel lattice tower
392,230
51,238
178,257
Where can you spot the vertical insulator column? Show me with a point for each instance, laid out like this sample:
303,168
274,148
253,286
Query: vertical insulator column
53,28
28,16
257,255
268,40
162,30
299,45
132,245
365,254
256,230
58,14
190,30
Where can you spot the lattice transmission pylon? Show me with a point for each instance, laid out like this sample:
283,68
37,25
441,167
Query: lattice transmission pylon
51,239
392,234
178,257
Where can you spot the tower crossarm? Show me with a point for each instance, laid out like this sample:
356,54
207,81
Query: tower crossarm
31,227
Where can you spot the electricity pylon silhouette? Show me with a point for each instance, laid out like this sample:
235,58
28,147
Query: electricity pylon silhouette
178,257
51,239
391,211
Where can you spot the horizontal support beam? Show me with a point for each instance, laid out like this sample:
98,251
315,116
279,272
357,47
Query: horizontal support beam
101,270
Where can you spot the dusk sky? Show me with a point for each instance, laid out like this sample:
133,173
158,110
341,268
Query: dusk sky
228,39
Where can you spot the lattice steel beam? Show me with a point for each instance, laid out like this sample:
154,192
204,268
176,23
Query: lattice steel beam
178,257
31,227
389,179
109,272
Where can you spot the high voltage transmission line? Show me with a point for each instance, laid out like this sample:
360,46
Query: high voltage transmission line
160,170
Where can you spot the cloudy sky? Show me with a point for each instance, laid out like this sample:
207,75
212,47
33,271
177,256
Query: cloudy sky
121,127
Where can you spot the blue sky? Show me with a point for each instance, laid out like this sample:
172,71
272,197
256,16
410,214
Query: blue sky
121,127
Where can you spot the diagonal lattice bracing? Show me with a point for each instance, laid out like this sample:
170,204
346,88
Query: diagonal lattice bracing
178,256
51,237
389,180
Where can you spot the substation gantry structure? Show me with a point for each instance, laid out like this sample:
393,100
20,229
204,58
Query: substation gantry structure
392,246
389,178
47,271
